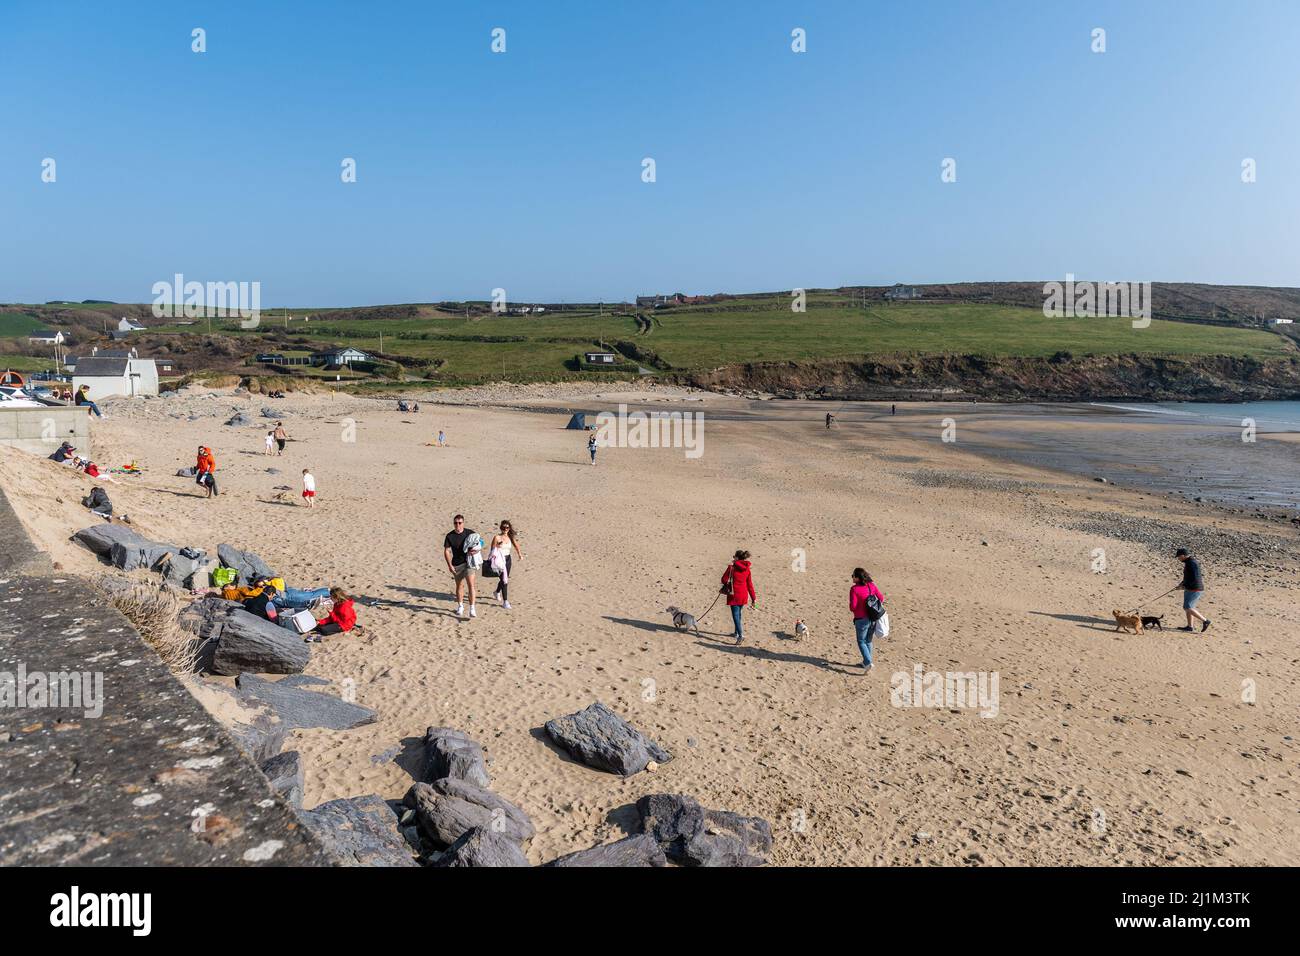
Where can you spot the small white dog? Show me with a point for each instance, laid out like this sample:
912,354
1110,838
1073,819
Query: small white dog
800,630
683,621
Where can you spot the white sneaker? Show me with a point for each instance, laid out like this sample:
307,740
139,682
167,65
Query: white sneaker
506,605
460,610
473,611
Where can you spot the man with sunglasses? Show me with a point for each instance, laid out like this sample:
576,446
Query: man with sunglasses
453,550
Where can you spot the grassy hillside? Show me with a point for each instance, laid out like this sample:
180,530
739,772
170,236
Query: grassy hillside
445,344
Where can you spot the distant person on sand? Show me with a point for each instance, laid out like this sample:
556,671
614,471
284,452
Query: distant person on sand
453,550
442,438
270,443
830,420
205,471
1193,585
861,604
308,488
501,546
738,586
83,401
591,448
893,409
281,436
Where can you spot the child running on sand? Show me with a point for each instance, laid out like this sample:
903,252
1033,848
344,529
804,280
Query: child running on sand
308,488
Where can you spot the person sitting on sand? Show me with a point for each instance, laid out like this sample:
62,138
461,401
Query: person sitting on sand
63,454
861,592
1193,585
738,586
343,618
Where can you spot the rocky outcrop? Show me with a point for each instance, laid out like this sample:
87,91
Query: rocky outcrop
249,565
236,641
285,773
451,753
123,547
640,850
691,834
304,708
445,814
481,847
600,738
360,831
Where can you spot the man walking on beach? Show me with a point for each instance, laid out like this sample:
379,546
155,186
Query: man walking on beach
281,436
1193,586
453,550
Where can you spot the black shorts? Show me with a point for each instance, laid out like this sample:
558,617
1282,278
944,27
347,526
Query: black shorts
280,442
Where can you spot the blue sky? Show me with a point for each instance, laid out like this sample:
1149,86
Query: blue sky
522,170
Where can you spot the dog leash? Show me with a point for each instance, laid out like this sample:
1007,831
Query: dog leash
710,608
1156,598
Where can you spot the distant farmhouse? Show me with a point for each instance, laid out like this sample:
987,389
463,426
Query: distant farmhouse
1280,321
900,291
601,358
47,337
126,325
659,301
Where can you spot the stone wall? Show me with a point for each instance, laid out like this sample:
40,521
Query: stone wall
40,430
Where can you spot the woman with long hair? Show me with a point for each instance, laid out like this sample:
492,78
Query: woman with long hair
500,557
865,600
738,586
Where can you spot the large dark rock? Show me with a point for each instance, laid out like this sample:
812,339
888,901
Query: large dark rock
602,739
250,643
514,820
360,831
444,819
304,708
691,834
639,850
239,420
100,538
482,847
269,412
451,753
122,547
249,565
286,776
261,736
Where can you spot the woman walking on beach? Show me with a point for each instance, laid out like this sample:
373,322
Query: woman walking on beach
591,447
205,470
867,604
499,557
738,586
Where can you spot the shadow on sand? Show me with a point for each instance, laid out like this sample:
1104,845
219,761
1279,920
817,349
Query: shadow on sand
1084,621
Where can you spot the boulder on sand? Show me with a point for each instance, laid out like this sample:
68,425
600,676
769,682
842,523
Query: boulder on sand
299,708
452,753
602,739
269,412
695,835
123,547
360,831
249,565
238,420
639,850
516,820
444,819
243,641
481,847
286,776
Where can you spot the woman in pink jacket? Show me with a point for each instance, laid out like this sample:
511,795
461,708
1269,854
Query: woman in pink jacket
864,624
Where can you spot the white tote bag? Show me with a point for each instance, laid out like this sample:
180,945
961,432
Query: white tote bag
882,625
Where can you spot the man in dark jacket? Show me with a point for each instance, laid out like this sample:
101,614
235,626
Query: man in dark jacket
1193,585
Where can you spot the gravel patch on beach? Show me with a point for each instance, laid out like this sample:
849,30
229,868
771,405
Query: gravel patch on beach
968,481
1227,546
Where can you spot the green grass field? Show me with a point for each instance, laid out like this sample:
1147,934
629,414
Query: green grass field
735,331
16,325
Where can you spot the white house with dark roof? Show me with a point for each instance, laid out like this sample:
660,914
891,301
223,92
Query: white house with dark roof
47,337
116,376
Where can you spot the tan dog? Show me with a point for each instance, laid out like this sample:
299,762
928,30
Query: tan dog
1125,622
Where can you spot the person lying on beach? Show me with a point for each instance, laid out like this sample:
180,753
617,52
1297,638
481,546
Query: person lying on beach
262,604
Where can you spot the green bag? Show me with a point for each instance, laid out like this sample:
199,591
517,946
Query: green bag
222,577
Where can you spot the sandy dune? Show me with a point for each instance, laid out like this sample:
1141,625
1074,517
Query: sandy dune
1105,748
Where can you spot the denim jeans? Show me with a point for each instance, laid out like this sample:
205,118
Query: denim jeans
297,598
735,621
94,409
866,630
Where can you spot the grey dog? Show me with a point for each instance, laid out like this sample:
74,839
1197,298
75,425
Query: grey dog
683,621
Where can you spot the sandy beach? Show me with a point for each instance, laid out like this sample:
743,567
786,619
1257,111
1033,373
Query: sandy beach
1103,747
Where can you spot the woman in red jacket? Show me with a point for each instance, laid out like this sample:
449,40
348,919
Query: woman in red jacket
738,586
342,618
